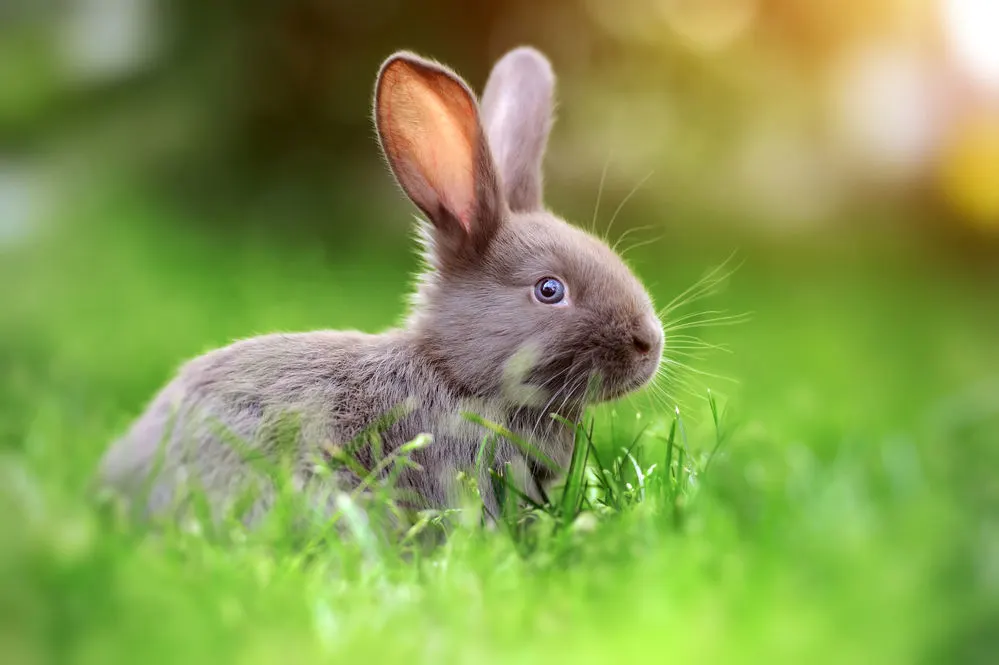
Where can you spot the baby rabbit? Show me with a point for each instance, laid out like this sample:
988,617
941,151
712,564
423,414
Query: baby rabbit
515,315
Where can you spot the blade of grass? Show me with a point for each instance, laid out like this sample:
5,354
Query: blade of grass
526,446
573,488
501,477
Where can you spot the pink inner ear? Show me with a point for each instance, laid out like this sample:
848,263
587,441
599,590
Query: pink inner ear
433,127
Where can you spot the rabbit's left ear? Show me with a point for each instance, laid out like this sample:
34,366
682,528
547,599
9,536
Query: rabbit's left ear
517,110
428,123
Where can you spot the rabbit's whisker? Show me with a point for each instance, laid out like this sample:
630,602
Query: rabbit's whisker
561,373
600,192
624,201
567,392
701,372
706,286
723,320
641,243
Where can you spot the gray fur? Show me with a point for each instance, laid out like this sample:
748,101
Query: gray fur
475,340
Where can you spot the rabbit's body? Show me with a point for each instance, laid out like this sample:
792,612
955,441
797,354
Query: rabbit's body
214,418
514,318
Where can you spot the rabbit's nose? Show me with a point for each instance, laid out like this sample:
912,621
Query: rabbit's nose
642,343
646,337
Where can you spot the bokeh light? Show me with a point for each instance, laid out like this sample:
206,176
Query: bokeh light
973,31
969,170
889,112
708,25
107,39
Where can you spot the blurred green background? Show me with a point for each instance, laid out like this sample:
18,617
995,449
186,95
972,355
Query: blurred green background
174,175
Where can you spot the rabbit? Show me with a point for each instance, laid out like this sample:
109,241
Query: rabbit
514,316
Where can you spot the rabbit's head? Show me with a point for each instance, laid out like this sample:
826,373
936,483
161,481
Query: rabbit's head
515,304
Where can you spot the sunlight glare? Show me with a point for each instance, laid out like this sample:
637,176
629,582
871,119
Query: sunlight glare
973,31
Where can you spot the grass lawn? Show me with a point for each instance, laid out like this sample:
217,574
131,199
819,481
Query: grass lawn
850,514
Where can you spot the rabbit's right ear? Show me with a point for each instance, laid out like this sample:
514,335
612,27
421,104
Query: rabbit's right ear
517,109
428,124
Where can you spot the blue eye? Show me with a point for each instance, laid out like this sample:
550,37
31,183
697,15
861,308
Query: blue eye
549,291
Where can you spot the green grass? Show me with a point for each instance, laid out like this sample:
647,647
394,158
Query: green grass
838,504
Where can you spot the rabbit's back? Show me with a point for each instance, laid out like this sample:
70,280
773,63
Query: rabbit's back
254,402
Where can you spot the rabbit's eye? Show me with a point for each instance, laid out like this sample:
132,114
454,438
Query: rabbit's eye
549,291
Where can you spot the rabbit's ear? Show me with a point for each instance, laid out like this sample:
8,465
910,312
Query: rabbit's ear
517,109
428,125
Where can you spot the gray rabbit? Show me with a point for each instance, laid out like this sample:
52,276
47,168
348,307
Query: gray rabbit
514,317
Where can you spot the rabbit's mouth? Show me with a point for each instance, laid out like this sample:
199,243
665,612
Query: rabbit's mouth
624,388
618,385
